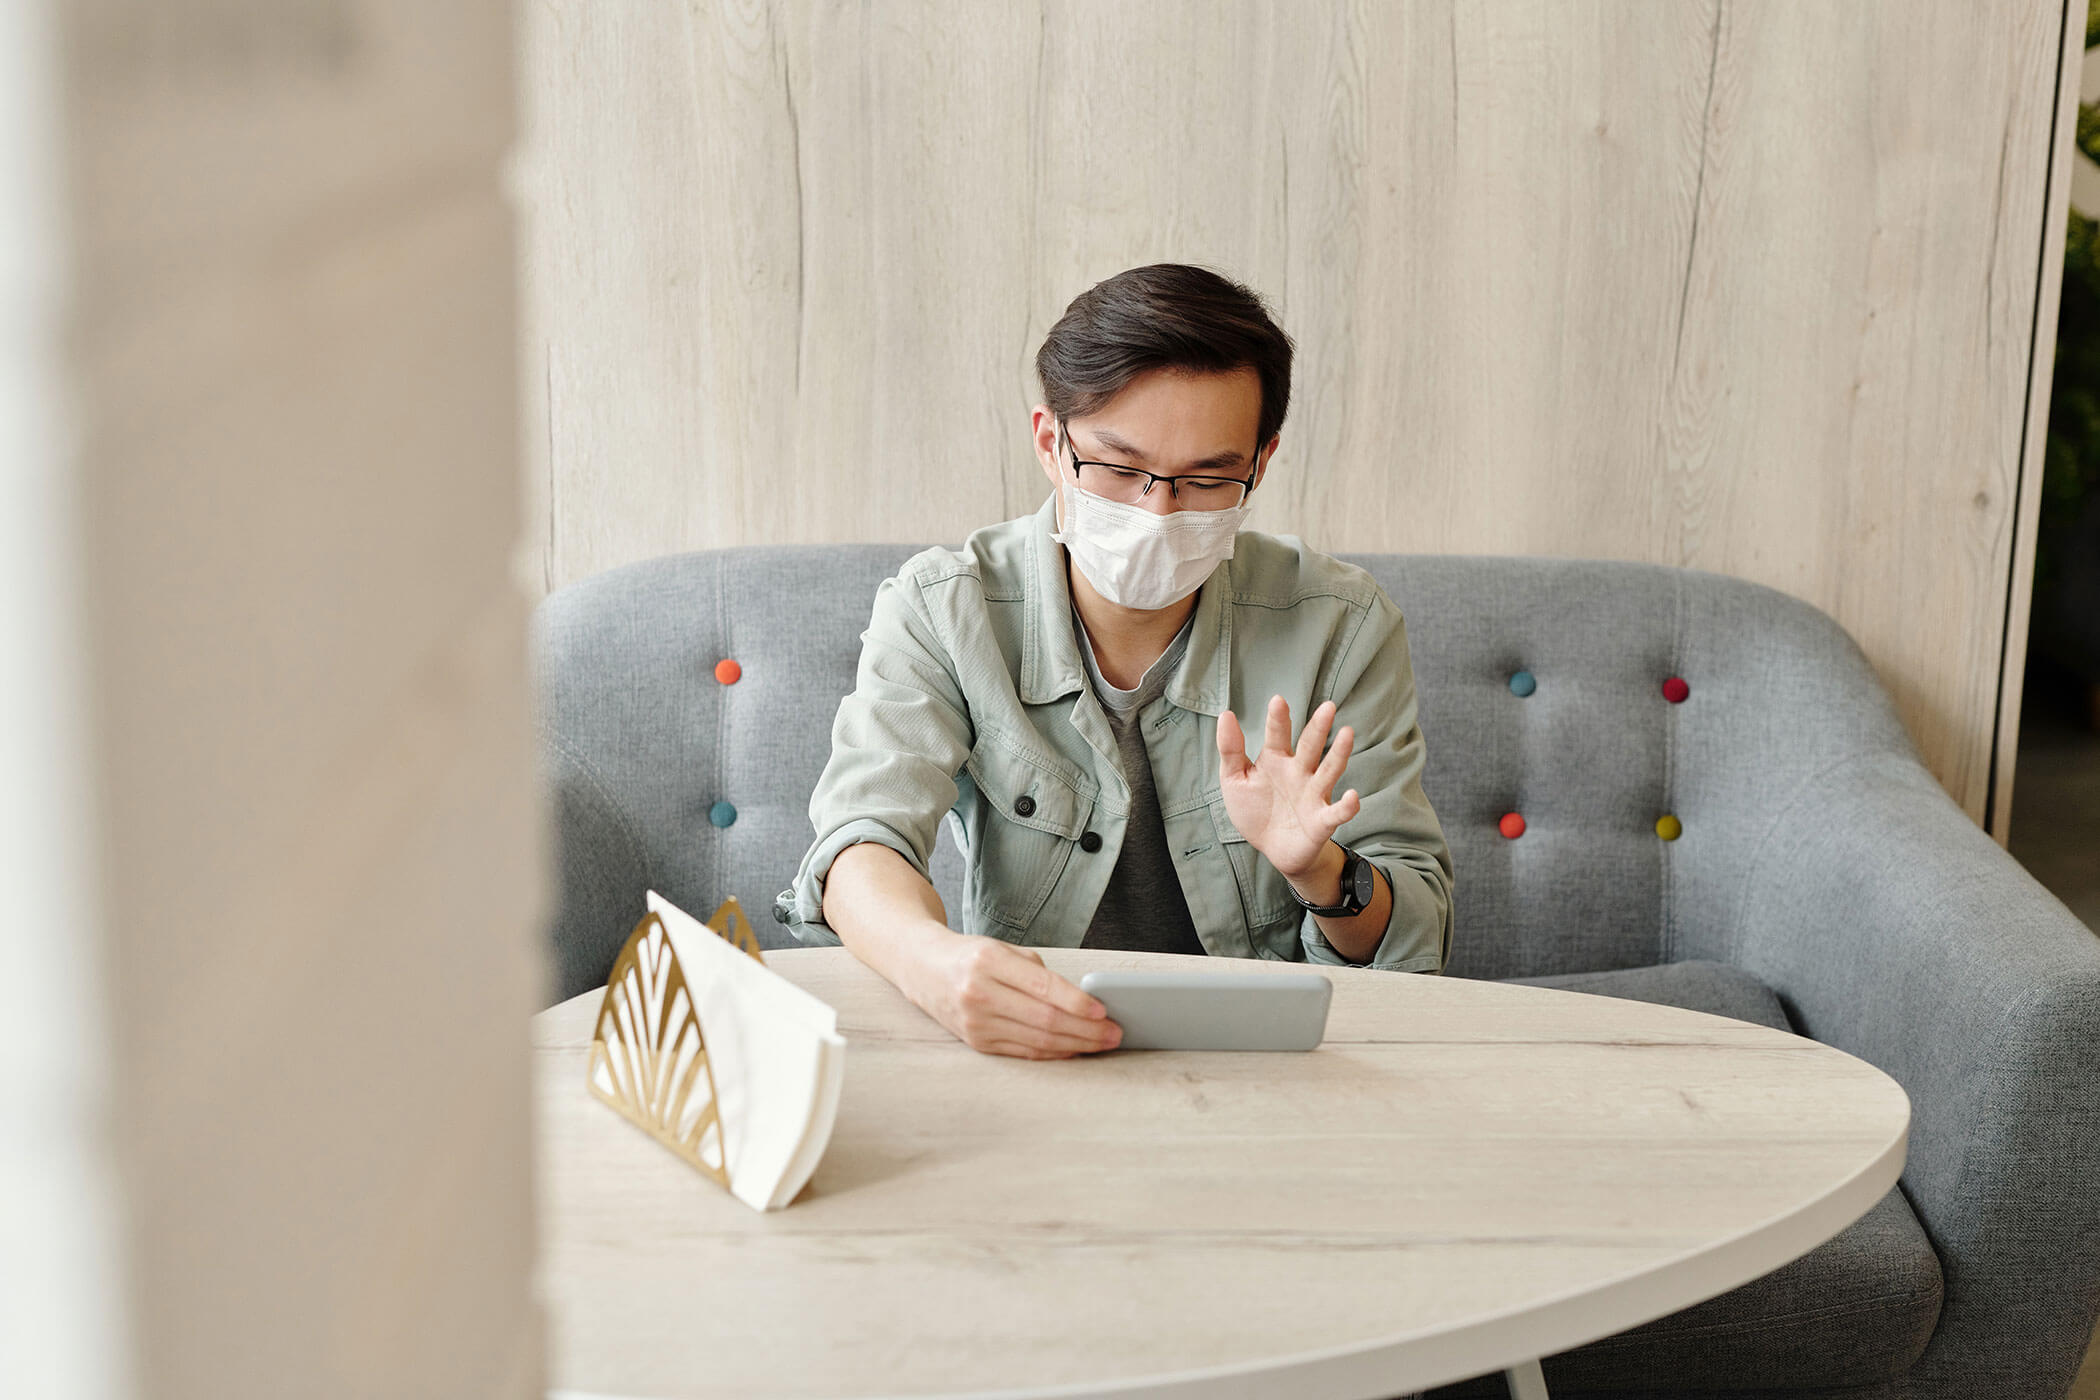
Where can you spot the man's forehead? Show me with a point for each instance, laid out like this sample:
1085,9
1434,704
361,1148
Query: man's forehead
1180,412
1223,452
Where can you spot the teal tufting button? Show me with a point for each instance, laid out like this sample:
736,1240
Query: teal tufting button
1523,683
722,814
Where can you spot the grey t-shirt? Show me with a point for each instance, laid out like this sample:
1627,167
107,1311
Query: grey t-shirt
1142,909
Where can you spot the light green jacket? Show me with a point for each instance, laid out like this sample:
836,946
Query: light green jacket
972,704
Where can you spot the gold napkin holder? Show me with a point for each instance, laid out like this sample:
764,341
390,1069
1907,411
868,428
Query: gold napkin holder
649,1053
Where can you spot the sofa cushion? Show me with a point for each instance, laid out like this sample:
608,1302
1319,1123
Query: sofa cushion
1855,1310
1716,988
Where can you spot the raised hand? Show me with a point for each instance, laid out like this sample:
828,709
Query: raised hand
1279,799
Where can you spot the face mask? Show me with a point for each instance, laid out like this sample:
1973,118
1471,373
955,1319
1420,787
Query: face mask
1140,559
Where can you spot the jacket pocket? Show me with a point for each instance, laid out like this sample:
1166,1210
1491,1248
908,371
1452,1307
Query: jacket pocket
1273,914
1032,817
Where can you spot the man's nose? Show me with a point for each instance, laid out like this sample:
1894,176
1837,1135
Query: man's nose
1160,499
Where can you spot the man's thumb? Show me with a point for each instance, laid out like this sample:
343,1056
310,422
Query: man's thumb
1232,746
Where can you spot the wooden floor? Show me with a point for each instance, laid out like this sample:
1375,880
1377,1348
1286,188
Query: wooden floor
2056,830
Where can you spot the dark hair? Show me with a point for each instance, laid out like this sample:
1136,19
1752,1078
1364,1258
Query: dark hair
1166,316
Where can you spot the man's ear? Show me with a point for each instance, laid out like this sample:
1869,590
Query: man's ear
1266,455
1043,438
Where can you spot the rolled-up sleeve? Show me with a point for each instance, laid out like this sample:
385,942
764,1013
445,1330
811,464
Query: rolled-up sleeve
897,743
1395,829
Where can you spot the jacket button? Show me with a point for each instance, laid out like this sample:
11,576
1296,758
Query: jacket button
1025,805
1090,842
780,915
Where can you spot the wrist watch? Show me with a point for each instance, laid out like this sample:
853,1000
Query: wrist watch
1359,884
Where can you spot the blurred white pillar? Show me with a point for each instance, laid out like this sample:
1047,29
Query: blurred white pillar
269,835
63,1324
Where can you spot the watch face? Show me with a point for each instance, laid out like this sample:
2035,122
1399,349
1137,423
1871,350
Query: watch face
1366,883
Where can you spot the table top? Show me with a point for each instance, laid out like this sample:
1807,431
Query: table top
1464,1176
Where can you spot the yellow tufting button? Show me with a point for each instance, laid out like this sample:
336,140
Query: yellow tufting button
1668,827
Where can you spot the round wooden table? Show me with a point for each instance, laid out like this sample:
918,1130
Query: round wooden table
1466,1176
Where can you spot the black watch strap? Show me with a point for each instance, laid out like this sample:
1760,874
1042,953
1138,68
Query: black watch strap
1359,882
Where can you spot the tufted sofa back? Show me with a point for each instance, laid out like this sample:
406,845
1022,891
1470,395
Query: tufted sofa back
665,775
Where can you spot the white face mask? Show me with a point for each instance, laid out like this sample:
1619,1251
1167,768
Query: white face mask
1138,558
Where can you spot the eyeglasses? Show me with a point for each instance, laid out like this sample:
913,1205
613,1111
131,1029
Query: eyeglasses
1117,482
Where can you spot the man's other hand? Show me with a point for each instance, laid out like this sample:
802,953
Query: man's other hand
1000,999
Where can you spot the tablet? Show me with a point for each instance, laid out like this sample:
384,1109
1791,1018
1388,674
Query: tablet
1214,1010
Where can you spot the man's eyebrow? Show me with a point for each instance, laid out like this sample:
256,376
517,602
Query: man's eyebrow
1113,441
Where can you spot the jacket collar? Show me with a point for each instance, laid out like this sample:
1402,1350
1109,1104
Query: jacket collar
1050,664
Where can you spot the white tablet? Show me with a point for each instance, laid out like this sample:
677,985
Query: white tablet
1214,1010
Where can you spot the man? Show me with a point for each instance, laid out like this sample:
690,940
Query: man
1065,687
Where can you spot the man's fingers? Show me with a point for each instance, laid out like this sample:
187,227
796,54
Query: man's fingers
1344,808
1276,732
1336,759
1039,1014
1029,1050
1006,1001
1313,738
1058,1042
1022,990
1013,1049
1232,746
1022,1021
1039,983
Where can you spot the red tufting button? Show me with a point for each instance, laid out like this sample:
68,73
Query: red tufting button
1674,690
728,672
1512,825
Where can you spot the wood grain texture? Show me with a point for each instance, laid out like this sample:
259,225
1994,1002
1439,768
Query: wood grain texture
1747,286
1464,1175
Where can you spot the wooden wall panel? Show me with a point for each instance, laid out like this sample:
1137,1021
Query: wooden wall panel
1748,286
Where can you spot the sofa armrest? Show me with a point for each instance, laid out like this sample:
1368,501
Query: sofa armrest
601,871
1894,929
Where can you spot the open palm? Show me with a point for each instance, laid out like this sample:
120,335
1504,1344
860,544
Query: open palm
1278,800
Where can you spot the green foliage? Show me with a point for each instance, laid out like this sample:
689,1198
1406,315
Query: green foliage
2071,457
2089,129
2071,452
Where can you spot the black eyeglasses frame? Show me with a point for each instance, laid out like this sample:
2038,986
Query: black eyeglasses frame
1153,478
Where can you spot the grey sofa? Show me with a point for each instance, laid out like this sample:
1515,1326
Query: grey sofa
1823,882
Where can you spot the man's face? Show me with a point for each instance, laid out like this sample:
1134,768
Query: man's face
1167,422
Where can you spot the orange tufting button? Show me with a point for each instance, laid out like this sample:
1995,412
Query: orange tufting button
1512,825
1668,827
728,672
1674,690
